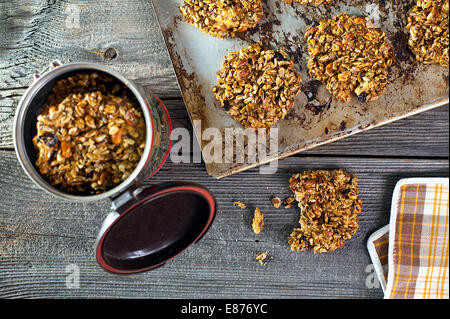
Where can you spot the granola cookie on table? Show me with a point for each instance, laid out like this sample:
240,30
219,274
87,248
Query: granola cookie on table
222,18
428,31
329,209
257,86
349,56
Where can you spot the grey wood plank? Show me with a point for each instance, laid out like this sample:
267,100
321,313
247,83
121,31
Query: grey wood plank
35,32
41,235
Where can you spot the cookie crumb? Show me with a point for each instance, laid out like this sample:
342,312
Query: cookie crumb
288,202
276,201
240,204
260,257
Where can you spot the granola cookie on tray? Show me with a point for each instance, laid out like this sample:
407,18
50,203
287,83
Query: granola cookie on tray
428,31
257,86
222,18
348,55
329,209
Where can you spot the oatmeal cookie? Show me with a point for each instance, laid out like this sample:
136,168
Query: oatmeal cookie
257,87
428,31
222,18
314,2
329,209
348,55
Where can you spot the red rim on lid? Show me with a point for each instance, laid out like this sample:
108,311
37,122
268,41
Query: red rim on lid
154,226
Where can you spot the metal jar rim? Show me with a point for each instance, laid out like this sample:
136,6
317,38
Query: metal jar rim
23,107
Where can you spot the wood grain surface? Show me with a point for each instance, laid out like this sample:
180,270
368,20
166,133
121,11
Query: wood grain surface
40,236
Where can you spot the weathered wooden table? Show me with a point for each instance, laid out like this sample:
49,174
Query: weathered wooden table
45,241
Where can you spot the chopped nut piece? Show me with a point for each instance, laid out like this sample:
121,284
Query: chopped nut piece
240,204
349,56
258,221
276,201
329,209
428,31
222,18
257,87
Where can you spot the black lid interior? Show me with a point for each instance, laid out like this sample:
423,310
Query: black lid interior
156,229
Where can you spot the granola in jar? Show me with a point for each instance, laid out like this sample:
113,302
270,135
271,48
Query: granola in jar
348,55
90,135
329,209
257,86
428,31
222,18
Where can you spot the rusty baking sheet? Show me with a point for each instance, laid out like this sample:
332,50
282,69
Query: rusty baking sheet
316,118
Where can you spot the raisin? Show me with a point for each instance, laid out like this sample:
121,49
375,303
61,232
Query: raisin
362,97
279,56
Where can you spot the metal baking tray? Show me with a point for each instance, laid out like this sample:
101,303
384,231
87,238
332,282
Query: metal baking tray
316,118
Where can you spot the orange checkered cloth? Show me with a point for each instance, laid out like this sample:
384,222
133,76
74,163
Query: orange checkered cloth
410,255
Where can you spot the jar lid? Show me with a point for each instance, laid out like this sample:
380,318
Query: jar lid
154,225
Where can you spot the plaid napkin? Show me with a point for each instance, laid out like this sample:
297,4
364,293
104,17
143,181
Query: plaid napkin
410,255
